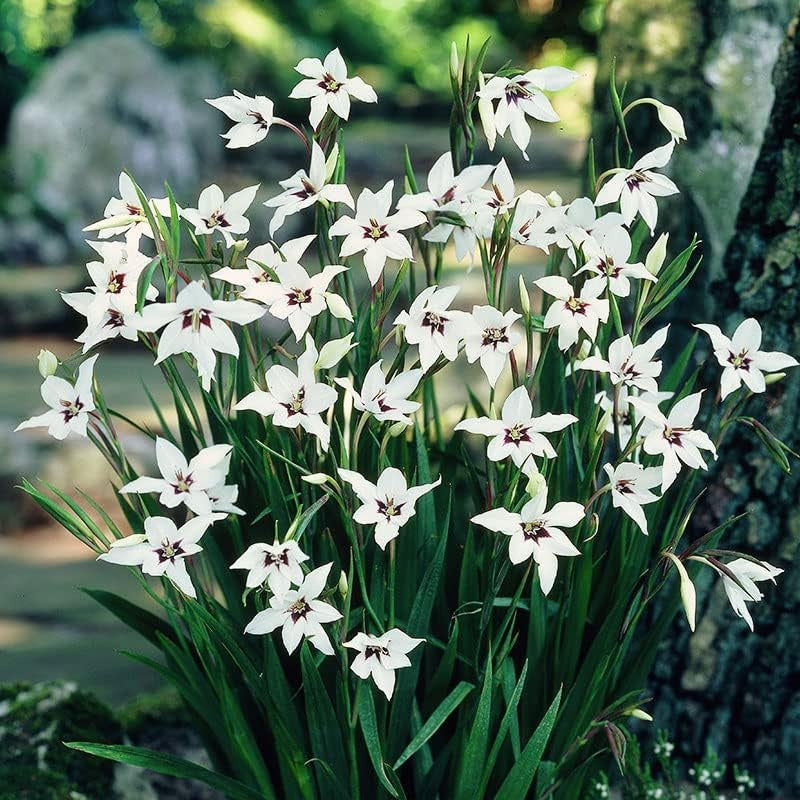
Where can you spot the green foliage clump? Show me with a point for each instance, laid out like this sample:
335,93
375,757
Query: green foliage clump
35,719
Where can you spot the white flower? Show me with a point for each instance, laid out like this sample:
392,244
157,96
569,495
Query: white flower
252,115
572,314
304,189
637,188
673,437
580,222
535,223
70,405
224,496
430,324
445,188
296,296
629,365
278,564
387,504
607,256
523,95
747,573
299,613
518,433
375,232
294,400
630,489
386,401
104,323
196,324
536,532
380,656
126,213
215,213
184,481
329,87
742,357
490,338
114,280
162,549
625,418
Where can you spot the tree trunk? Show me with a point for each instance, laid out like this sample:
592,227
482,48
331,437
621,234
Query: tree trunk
723,686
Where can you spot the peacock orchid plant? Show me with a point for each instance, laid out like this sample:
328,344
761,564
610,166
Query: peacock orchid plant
319,559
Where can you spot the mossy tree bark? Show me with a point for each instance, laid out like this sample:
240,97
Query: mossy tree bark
740,692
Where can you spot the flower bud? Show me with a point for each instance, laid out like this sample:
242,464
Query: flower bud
397,429
554,199
454,70
657,255
239,245
47,363
334,351
774,377
637,713
524,297
338,307
130,541
672,120
536,484
118,221
688,594
315,478
342,585
486,113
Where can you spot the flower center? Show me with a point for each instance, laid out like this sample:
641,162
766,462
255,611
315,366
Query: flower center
217,220
624,486
297,297
434,321
518,433
258,119
388,508
576,306
195,317
375,230
182,483
299,609
114,319
295,405
329,83
516,91
307,191
276,559
534,530
133,210
70,409
373,650
116,283
674,435
494,336
169,551
633,180
741,361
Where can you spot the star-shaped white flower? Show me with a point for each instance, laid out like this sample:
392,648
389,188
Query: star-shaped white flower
294,400
125,214
747,573
626,419
630,489
182,480
673,437
253,117
536,532
490,337
607,255
215,213
379,656
304,189
300,614
387,401
162,549
523,96
329,87
376,232
517,433
278,564
580,222
629,365
114,280
296,296
637,188
433,326
742,359
387,504
572,313
70,405
196,324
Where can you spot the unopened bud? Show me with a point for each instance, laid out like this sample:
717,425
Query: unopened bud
554,199
315,478
454,71
334,351
397,429
118,221
129,541
524,297
536,484
672,120
47,363
239,245
486,113
688,594
342,585
338,307
657,255
774,377
637,713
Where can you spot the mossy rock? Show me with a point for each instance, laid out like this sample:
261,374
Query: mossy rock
35,720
